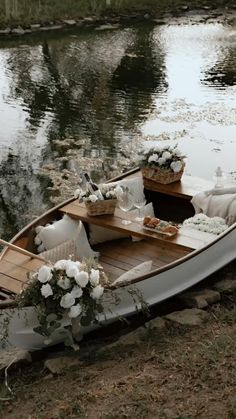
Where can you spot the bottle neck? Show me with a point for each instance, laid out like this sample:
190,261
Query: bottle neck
92,187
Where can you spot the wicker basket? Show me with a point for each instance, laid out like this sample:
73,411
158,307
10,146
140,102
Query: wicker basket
162,175
101,207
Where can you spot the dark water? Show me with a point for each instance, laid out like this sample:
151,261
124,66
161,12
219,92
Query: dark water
88,99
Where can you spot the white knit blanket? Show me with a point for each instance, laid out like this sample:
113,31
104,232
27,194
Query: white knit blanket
217,203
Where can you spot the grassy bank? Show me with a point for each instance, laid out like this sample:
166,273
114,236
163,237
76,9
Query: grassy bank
181,373
38,11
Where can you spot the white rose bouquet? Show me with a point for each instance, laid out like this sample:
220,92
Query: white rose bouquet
168,157
107,191
65,291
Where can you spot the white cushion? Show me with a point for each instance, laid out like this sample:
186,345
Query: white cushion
100,234
135,186
63,251
76,249
135,272
217,203
57,233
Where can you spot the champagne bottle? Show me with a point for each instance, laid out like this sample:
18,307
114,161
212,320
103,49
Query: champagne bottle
92,187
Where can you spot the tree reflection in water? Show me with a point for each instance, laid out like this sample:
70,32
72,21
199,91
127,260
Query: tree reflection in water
82,86
83,97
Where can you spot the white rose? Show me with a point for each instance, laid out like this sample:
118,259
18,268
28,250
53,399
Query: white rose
61,264
41,248
94,277
67,300
93,198
82,279
44,274
176,166
64,283
75,311
78,264
46,290
97,292
38,229
161,161
77,193
71,269
118,191
76,292
166,155
178,153
37,240
153,158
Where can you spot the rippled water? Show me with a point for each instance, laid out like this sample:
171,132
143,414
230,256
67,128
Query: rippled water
89,99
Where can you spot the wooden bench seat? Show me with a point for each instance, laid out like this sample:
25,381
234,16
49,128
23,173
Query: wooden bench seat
15,269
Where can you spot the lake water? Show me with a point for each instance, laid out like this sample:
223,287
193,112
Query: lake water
88,99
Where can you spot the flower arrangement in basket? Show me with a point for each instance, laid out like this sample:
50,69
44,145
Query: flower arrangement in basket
163,165
102,203
63,293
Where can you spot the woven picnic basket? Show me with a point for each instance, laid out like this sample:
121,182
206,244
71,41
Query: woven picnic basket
162,175
101,207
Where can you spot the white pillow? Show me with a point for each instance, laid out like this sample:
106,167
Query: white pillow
135,272
56,233
63,251
100,234
77,248
135,186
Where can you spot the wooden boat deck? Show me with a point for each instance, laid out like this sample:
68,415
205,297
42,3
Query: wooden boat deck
117,256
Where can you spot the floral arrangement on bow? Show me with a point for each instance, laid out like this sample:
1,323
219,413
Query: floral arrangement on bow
169,157
107,191
65,291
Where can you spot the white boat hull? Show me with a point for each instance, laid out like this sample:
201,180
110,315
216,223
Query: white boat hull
179,276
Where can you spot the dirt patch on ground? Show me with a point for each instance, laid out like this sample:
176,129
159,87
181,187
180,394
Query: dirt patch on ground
178,373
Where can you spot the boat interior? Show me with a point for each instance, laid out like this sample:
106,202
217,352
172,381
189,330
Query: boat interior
117,256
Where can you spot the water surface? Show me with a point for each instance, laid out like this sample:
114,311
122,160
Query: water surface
89,99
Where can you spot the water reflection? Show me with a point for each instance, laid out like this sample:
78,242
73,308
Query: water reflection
89,99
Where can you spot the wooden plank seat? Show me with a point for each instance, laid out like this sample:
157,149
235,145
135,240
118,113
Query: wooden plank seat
15,268
119,256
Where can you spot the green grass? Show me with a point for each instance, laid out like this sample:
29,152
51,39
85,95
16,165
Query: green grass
34,11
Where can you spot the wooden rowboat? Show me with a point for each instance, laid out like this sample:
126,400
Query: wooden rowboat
179,262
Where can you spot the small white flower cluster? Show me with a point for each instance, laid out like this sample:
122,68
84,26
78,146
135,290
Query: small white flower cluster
167,158
202,222
70,281
107,191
